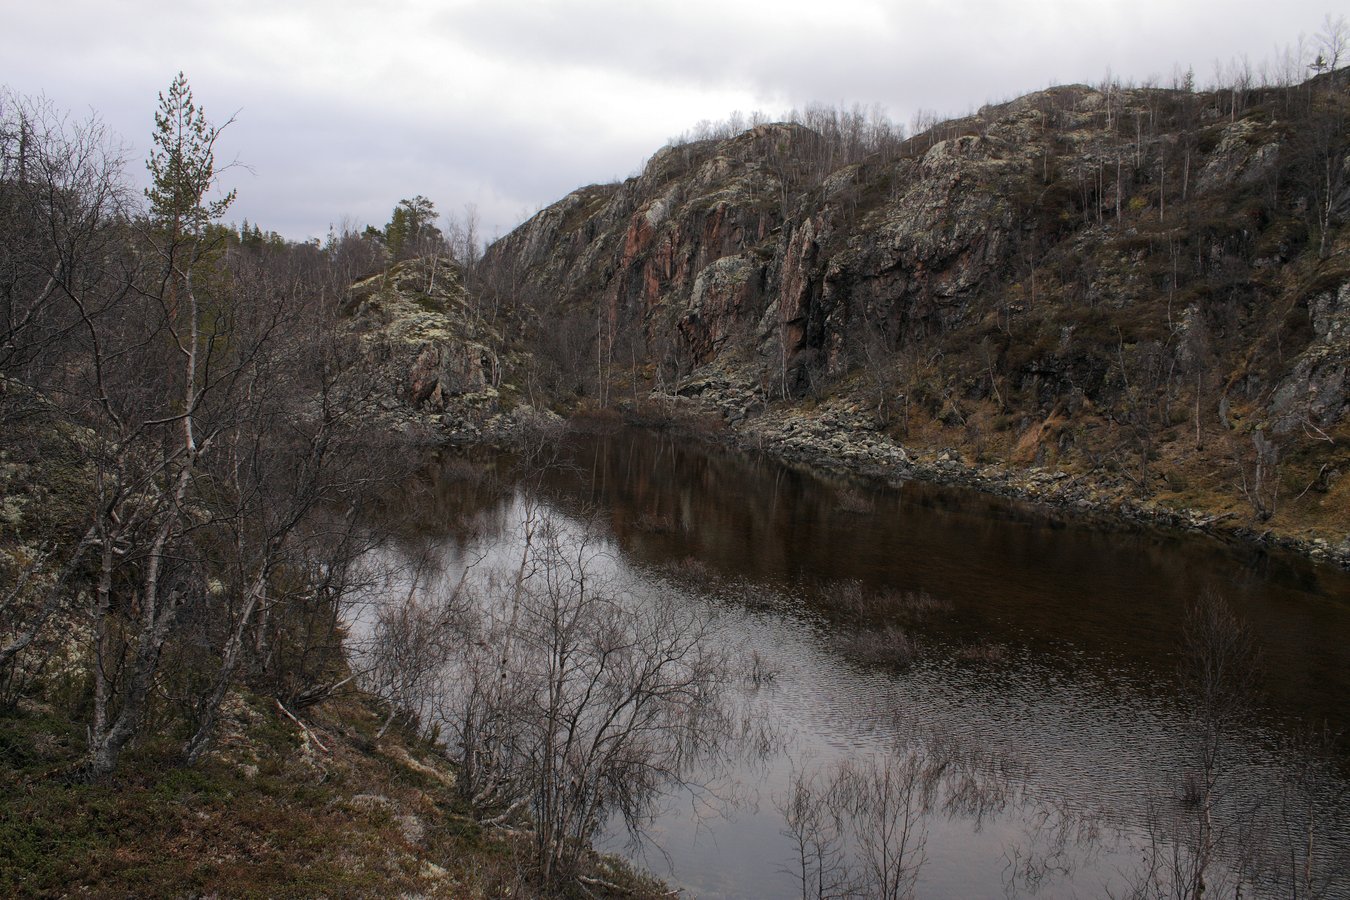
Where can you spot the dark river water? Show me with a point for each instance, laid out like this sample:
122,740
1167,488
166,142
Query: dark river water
1050,646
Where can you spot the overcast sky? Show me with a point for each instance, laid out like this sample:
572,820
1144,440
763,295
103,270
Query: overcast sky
343,108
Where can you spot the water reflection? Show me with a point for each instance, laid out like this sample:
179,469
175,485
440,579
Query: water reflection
1013,573
1080,700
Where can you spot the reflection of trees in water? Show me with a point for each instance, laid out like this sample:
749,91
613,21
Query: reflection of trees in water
1102,814
1115,592
459,495
859,827
1216,823
1224,830
564,699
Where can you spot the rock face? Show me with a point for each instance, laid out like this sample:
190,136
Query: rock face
442,366
1316,392
753,239
415,318
1126,282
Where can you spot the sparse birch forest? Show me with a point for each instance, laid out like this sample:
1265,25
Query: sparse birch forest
835,508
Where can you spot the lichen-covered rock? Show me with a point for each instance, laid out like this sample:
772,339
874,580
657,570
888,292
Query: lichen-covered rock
1122,280
442,366
725,294
1316,392
1244,156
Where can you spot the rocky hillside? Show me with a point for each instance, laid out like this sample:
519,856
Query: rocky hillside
1142,292
441,362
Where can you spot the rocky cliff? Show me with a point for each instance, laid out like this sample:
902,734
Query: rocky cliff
1145,289
441,363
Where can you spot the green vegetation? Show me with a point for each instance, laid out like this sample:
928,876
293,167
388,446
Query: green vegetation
278,810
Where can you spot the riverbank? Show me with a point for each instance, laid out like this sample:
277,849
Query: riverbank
315,803
303,790
837,436
1023,630
277,808
833,440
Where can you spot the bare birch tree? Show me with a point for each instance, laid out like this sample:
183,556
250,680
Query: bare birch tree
570,700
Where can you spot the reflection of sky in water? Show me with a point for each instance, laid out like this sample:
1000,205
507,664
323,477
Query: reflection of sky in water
827,711
1091,722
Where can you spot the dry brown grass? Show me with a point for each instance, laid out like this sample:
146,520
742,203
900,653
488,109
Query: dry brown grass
655,523
887,646
982,653
856,601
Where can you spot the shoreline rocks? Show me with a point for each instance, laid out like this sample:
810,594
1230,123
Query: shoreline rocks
840,440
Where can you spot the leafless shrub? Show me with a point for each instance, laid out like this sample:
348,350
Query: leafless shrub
655,523
759,671
408,652
567,701
888,645
1299,858
982,653
816,823
853,501
1201,843
1191,791
977,781
859,828
1058,837
854,600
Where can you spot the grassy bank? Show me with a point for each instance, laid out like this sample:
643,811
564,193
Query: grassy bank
279,809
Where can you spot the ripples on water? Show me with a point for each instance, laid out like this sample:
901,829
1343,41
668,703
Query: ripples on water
1078,708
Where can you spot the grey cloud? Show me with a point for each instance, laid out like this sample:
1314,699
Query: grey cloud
344,109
